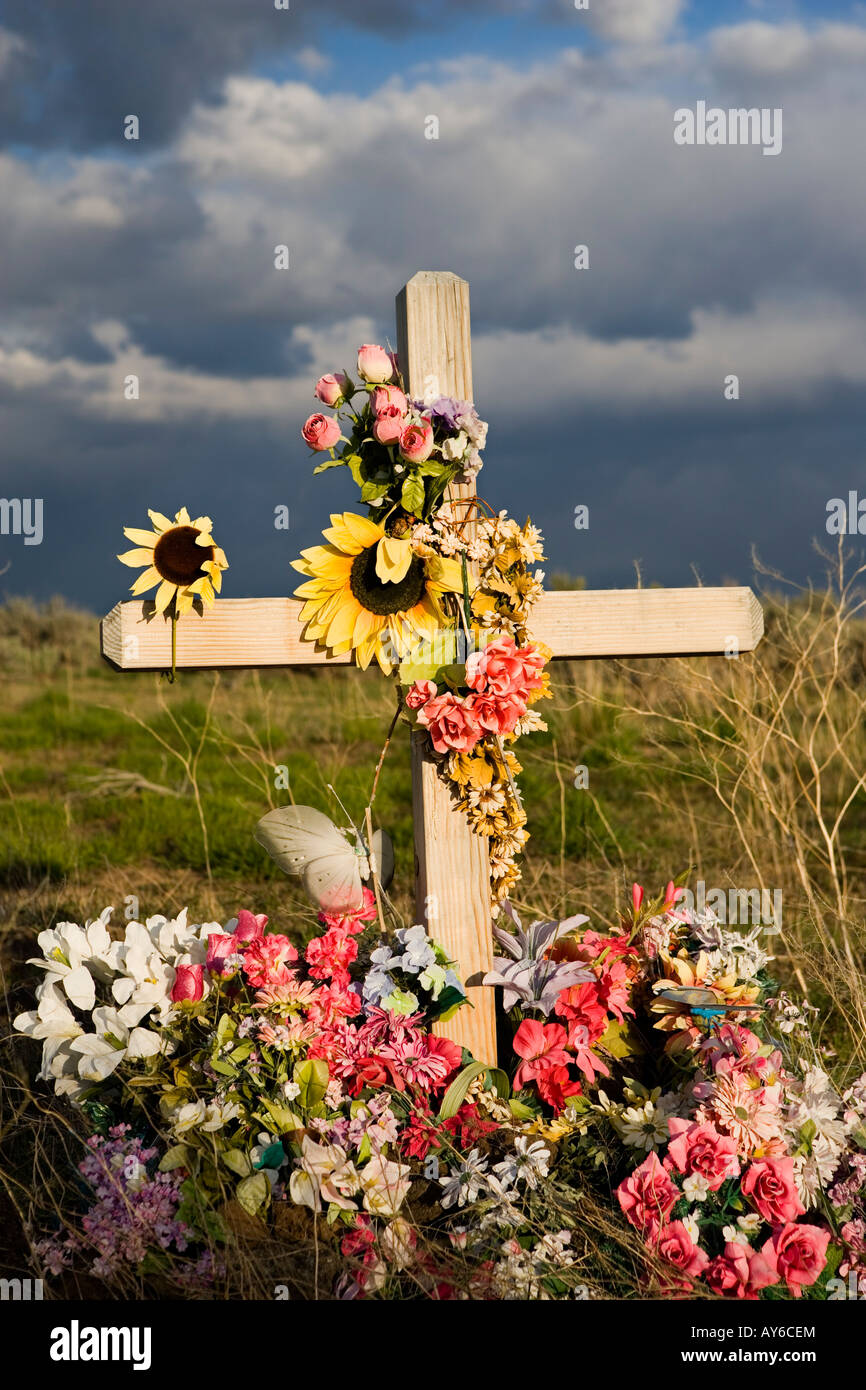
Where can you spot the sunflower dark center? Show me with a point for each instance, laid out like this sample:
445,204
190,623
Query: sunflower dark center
385,599
177,558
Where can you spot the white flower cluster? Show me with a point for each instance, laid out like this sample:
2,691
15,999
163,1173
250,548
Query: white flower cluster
729,952
119,982
817,1108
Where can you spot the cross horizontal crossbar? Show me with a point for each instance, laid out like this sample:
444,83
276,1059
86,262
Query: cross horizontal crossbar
574,624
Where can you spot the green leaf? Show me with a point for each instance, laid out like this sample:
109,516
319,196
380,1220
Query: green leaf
238,1162
412,494
328,463
224,1068
372,491
618,1041
226,1029
175,1157
242,1051
520,1111
253,1192
456,1093
312,1076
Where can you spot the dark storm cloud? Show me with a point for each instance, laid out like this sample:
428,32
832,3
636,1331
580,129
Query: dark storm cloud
84,64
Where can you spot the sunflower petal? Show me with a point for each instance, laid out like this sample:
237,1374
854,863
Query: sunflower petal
146,580
164,595
136,557
138,537
393,558
161,523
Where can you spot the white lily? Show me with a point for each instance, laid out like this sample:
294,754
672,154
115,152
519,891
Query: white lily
76,956
52,1021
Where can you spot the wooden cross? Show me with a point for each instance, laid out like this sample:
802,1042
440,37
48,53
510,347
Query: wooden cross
452,883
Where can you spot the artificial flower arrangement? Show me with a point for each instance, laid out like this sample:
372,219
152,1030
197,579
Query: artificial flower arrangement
435,587
223,1069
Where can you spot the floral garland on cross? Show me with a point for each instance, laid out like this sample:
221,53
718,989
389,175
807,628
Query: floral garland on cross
437,589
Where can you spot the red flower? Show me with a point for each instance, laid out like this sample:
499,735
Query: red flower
541,1045
581,1004
555,1085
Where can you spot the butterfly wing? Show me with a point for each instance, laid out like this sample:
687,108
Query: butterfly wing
334,881
383,853
296,835
696,998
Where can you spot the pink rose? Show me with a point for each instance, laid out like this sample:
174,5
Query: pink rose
451,723
701,1149
374,363
769,1182
416,442
331,388
496,714
188,984
741,1272
647,1197
503,668
383,396
219,948
388,425
799,1253
675,1245
321,432
420,693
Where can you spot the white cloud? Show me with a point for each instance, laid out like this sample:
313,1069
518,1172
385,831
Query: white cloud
634,21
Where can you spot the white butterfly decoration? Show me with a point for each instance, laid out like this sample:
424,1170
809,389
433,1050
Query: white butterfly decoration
304,841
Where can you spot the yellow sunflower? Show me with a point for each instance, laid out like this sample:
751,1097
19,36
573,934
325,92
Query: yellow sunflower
371,593
180,556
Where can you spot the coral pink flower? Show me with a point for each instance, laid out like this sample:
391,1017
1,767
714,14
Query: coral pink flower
540,1045
581,1004
587,1061
498,714
321,432
675,1245
770,1184
636,896
741,1272
352,919
750,1116
799,1253
420,693
330,955
451,723
502,668
188,985
647,1197
265,960
331,1004
701,1149
449,1051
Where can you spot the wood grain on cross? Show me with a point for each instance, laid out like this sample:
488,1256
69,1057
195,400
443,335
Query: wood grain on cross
451,868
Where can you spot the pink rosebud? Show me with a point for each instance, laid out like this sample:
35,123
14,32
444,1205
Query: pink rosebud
388,425
636,896
188,984
375,364
421,692
219,948
321,432
250,925
416,442
331,389
388,395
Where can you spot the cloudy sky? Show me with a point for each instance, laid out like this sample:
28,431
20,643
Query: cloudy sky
602,386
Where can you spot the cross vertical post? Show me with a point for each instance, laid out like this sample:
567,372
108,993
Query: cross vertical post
452,866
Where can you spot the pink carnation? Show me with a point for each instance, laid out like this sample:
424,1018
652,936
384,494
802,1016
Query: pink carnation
352,919
497,714
265,960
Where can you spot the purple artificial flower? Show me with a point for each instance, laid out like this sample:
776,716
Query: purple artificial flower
528,977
